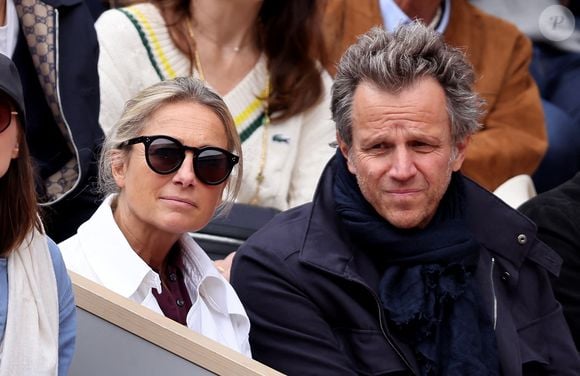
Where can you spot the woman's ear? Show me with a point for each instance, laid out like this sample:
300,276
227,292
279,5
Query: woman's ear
19,138
118,167
15,151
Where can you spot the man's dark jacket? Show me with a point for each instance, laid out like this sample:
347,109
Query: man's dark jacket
557,214
311,295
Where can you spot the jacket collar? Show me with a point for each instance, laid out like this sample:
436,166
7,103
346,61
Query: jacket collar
339,255
505,232
338,248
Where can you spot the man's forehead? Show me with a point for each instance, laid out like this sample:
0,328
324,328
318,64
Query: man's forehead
418,106
398,88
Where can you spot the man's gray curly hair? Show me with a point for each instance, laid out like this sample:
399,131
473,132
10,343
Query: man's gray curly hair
395,61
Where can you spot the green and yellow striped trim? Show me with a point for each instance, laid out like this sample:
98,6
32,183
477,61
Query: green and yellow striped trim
165,71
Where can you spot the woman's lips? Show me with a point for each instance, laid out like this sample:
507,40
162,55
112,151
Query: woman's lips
179,200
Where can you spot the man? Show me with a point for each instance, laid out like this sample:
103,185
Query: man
54,46
400,264
513,138
555,67
556,214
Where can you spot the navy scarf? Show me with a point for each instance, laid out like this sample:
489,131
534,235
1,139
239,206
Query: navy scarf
428,289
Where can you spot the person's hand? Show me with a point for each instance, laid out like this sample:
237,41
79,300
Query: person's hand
224,266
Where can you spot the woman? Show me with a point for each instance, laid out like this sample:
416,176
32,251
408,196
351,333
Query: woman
37,310
166,166
260,56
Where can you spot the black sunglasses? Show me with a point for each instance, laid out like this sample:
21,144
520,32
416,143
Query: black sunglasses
164,155
6,112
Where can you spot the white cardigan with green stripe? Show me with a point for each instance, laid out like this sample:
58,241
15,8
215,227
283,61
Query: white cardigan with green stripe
136,52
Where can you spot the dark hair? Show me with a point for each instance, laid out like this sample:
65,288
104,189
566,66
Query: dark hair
289,34
18,205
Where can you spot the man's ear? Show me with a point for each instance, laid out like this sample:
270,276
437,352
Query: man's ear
461,148
345,150
119,161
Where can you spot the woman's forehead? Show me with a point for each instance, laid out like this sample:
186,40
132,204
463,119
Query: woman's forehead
190,123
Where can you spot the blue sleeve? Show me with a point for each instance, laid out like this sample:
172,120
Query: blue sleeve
3,296
67,311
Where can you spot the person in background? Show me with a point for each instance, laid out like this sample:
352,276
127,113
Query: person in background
401,265
555,66
262,57
165,168
556,214
54,46
37,309
513,138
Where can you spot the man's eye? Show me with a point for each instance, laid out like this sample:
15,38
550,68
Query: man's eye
422,147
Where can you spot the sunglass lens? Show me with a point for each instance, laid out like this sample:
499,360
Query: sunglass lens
165,156
212,166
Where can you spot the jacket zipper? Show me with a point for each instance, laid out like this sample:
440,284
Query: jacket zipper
493,293
384,329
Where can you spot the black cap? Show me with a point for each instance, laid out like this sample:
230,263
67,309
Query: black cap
10,83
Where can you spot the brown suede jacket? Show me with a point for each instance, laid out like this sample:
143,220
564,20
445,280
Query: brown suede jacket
513,139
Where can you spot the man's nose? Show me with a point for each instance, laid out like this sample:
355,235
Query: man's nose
402,164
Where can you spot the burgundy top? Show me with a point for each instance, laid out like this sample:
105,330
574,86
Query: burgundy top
174,299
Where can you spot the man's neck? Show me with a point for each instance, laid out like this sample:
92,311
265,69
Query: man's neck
424,10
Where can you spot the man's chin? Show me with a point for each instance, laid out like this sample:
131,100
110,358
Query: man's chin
407,220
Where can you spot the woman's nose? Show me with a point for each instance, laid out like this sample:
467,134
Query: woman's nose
185,174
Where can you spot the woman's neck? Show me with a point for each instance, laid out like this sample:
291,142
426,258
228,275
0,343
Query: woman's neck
151,245
226,23
226,38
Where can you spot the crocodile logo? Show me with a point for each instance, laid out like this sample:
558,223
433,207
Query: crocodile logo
280,138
